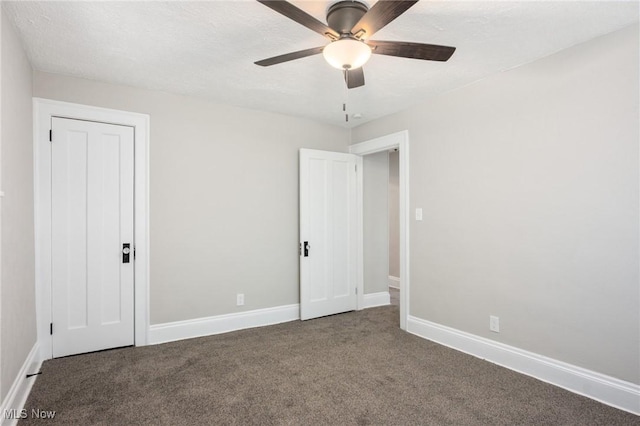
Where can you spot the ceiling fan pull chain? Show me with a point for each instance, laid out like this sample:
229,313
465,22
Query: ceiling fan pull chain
346,95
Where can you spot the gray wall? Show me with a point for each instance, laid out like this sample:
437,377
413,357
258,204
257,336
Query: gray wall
223,196
17,282
376,226
394,214
529,184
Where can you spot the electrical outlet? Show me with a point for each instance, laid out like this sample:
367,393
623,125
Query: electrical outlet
240,299
494,324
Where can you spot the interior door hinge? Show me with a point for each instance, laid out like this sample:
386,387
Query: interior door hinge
51,135
51,328
134,252
356,290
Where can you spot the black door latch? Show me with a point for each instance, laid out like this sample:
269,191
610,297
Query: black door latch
126,251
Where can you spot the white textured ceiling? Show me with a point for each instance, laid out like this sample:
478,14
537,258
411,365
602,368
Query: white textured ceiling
207,49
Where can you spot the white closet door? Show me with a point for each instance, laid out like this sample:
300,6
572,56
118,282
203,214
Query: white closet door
92,224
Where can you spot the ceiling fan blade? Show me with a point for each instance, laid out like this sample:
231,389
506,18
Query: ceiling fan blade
405,49
354,78
380,14
289,56
301,17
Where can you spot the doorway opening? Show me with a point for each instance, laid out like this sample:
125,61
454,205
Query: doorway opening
400,142
393,220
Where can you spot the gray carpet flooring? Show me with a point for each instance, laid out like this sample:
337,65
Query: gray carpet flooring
356,368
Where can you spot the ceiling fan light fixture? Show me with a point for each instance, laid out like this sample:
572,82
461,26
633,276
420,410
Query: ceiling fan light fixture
346,53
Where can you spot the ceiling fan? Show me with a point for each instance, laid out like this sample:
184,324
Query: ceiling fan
350,24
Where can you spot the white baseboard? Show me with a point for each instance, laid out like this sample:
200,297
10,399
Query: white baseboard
19,391
606,389
179,330
394,282
372,300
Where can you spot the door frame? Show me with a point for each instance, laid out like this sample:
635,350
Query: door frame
399,140
43,111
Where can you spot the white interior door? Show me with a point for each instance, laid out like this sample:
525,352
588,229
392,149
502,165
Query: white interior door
92,219
328,233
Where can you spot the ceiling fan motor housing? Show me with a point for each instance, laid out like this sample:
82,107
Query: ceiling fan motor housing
342,16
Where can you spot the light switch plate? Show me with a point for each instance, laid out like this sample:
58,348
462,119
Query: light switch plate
418,214
494,324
